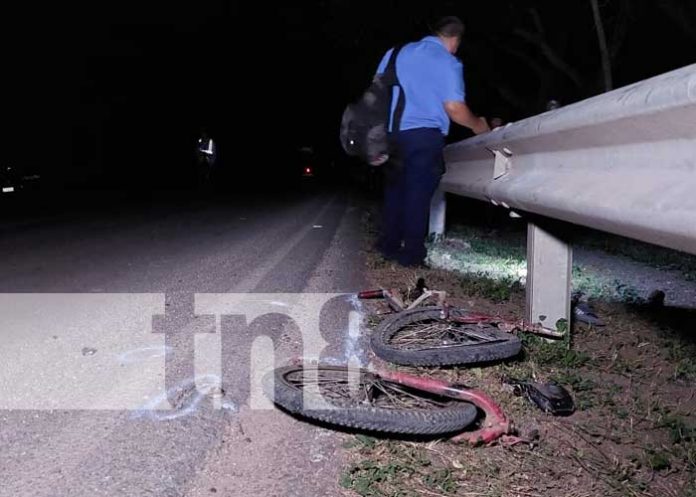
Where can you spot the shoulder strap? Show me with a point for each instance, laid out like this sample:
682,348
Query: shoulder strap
390,75
392,80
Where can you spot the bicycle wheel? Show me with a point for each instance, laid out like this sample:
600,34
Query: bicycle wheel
356,398
419,337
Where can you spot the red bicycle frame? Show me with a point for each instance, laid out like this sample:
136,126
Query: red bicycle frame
495,425
465,318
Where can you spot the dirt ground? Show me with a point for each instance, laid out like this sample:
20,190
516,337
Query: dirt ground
633,434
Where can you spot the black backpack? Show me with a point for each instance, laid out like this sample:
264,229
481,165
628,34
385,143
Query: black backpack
365,123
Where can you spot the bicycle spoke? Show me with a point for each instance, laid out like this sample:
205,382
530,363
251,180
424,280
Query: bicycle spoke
420,400
437,334
335,388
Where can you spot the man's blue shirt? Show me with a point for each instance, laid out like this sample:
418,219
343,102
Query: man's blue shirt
430,76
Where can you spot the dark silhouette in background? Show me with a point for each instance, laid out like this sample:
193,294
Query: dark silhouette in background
89,87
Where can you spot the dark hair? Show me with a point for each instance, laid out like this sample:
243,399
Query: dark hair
449,27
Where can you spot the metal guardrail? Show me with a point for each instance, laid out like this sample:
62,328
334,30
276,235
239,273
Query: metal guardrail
622,162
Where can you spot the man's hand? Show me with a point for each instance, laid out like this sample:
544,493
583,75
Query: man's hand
482,126
460,113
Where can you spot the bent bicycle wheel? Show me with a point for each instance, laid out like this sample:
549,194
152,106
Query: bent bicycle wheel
356,398
420,337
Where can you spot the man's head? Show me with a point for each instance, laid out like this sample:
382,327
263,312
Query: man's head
450,30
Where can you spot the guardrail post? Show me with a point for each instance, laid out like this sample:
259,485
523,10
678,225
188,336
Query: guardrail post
438,208
549,268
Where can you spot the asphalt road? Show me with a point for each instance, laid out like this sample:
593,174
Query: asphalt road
134,338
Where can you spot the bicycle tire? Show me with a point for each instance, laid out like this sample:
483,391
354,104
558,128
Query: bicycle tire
504,346
456,416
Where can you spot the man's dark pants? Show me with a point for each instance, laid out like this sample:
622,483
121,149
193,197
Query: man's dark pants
409,187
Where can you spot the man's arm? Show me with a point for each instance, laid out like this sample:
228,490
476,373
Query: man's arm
460,113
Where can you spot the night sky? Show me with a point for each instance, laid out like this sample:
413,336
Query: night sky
100,92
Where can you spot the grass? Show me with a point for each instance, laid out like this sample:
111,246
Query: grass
491,268
683,358
393,469
488,255
633,431
617,444
680,429
685,369
657,459
495,289
652,255
545,353
493,265
597,286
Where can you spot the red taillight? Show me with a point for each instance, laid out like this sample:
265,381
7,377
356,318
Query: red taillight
308,170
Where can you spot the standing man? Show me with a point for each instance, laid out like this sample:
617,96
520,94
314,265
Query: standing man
206,152
432,81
